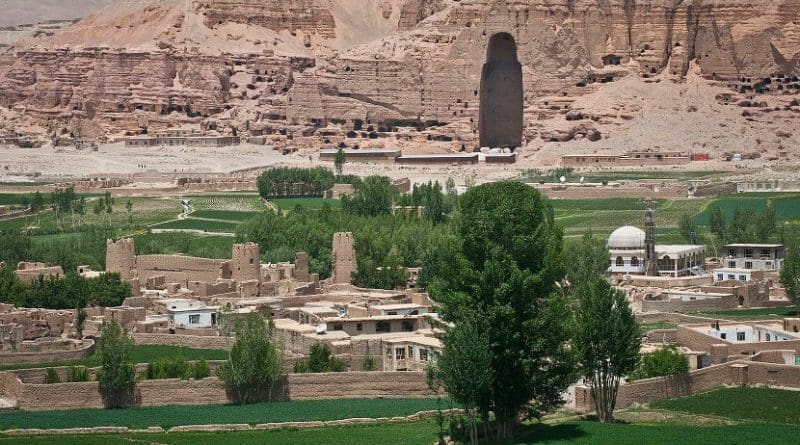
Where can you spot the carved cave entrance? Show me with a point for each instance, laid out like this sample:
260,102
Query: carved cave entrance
500,120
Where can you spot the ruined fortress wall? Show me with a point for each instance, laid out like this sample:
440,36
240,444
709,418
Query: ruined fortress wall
179,269
188,341
245,262
121,258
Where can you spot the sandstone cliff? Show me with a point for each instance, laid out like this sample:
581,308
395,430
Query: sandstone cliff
392,72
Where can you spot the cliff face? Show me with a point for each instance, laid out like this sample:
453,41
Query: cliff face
323,71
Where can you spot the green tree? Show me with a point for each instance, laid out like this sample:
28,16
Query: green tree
372,197
790,274
368,364
504,266
466,371
665,362
339,161
765,223
109,202
37,202
255,362
321,359
80,321
129,209
688,228
718,223
116,375
587,259
606,340
99,206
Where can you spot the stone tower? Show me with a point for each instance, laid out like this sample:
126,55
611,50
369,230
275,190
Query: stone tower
344,258
301,267
650,259
121,258
245,262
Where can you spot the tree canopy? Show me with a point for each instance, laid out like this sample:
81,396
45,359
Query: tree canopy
117,374
505,267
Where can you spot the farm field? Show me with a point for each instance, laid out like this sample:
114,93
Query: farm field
139,354
757,404
169,416
202,225
224,215
621,175
424,433
309,203
753,314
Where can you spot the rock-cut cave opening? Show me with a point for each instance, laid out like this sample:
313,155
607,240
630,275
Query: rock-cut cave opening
501,106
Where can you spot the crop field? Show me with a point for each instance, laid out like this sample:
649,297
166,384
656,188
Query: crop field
424,433
787,205
246,202
202,225
308,203
611,175
757,404
139,354
753,314
224,215
206,246
169,416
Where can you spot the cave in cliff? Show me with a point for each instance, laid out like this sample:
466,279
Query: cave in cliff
501,105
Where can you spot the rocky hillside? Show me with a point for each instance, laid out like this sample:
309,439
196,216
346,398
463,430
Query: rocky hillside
408,73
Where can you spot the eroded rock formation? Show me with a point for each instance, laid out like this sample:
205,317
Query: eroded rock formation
319,73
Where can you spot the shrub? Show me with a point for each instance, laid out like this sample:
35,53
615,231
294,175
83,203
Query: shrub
662,363
174,368
51,376
77,374
300,367
320,359
200,370
368,364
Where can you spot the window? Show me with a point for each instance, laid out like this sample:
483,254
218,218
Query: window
769,337
359,327
407,326
634,262
748,264
740,336
731,276
337,327
620,261
742,277
383,326
748,253
732,264
720,277
194,319
423,355
400,353
723,336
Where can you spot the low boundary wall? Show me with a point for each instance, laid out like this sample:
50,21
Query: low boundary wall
19,358
349,385
187,341
740,373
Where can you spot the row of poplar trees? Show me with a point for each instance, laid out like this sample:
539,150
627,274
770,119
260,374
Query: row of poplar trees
523,320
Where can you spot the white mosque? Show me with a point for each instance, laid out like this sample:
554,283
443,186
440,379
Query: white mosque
627,250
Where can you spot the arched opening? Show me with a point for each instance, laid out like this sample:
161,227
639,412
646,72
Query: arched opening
634,262
501,107
620,261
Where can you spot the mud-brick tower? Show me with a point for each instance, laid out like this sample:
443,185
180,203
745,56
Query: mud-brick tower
344,258
121,258
301,271
245,262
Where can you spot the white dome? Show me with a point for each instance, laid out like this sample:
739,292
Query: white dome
626,237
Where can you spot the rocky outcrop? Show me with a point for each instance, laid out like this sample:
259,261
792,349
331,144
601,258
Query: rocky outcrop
331,72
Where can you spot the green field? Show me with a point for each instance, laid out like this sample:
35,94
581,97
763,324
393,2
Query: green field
757,404
646,327
787,205
224,215
139,354
169,416
611,175
199,224
308,203
424,433
753,314
207,246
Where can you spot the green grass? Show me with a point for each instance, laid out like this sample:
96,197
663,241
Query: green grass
646,327
424,433
308,203
787,205
600,176
226,215
139,354
203,246
169,416
199,224
757,404
753,314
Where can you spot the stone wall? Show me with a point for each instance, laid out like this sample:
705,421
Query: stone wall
721,349
188,341
699,305
48,356
352,385
659,336
179,269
